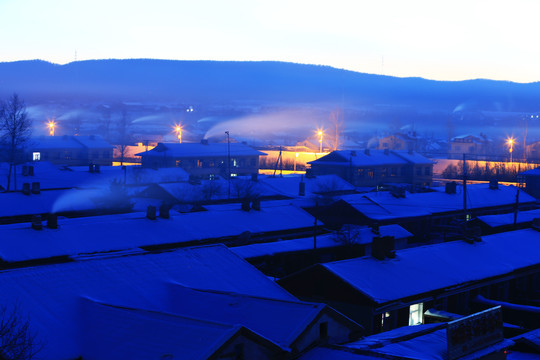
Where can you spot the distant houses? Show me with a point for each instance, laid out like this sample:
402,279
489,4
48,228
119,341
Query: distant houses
71,150
469,145
376,167
204,160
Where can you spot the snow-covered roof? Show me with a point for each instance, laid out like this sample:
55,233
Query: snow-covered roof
371,158
50,295
127,333
508,219
382,205
68,142
288,185
439,266
429,344
322,353
281,321
532,172
363,235
129,231
199,150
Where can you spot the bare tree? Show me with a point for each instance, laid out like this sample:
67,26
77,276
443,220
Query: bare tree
124,137
17,341
15,127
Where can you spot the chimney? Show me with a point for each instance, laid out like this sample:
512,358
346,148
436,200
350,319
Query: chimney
254,177
366,151
375,229
36,222
97,168
31,170
164,211
204,141
353,152
397,191
91,168
302,188
36,188
245,205
52,221
493,184
383,247
256,204
26,188
151,212
450,188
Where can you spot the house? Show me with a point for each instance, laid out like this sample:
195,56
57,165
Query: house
204,160
376,167
133,292
533,151
399,142
442,341
427,215
395,288
469,145
71,150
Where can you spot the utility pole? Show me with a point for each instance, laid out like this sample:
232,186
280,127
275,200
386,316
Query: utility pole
229,161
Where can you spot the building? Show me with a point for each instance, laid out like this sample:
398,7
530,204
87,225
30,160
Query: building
204,160
532,182
469,145
395,289
71,150
399,142
428,215
376,167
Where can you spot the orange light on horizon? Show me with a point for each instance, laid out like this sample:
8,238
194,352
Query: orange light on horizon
178,129
51,125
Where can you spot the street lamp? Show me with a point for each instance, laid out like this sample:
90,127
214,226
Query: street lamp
51,125
320,133
510,142
178,130
295,159
229,161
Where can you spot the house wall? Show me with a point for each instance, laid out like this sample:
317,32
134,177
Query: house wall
75,157
337,333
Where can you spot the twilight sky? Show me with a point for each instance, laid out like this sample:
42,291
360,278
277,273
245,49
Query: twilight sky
434,39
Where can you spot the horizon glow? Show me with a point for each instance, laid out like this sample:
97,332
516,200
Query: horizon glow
456,40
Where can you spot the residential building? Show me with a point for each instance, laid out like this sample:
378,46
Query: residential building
71,150
395,288
469,145
399,142
204,160
376,167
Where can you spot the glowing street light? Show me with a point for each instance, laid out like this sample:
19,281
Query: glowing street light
510,142
51,125
320,133
178,130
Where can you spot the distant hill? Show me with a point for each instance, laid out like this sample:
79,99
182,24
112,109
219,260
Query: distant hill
223,82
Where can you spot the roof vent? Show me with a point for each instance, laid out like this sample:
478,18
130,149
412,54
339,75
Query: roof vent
493,184
256,204
245,205
366,151
383,247
204,141
353,152
450,188
164,211
151,212
397,191
536,224
52,221
36,222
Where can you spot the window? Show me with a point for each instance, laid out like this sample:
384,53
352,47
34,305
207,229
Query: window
323,330
370,173
383,172
427,171
36,156
394,171
361,173
416,313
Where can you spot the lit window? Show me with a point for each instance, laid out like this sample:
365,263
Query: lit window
416,313
36,156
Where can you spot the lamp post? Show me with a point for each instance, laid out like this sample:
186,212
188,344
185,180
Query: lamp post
295,159
228,162
320,133
179,133
51,124
510,143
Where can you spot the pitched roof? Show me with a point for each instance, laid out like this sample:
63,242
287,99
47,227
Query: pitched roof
382,205
134,230
199,150
439,266
69,142
49,295
371,158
